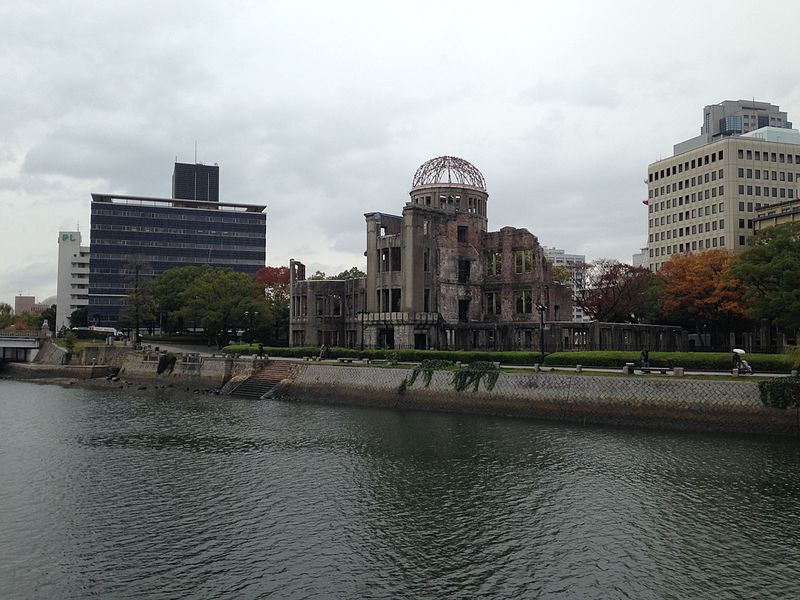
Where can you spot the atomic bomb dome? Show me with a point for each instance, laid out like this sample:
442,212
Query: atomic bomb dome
448,170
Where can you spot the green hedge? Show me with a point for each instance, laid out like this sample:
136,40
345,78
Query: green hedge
714,361
186,338
507,358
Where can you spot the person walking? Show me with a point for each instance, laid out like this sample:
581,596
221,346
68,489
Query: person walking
645,359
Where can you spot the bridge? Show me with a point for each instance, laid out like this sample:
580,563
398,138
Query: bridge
20,346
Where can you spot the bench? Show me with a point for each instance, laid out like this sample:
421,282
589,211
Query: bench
663,371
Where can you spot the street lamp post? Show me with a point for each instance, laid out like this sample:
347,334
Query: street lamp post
542,308
363,326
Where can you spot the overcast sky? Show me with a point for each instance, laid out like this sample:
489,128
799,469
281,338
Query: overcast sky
324,110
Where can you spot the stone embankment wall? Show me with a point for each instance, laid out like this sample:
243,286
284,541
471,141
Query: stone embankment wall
198,370
50,354
653,402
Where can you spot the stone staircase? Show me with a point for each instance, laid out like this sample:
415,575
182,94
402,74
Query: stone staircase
264,381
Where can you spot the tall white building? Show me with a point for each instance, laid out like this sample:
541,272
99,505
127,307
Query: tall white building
72,291
732,118
707,197
576,265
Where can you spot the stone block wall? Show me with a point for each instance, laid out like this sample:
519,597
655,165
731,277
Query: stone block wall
684,404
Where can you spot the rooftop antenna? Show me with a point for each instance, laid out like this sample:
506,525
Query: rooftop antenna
195,152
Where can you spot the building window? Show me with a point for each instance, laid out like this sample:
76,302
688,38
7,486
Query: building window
493,306
426,300
524,261
741,240
426,259
463,270
523,303
462,233
494,263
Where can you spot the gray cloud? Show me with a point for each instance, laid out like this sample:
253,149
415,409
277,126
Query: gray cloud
322,111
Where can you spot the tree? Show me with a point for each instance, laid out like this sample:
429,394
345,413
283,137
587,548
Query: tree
70,340
6,315
275,281
79,317
49,315
168,291
273,276
617,292
700,290
28,321
218,299
770,269
351,273
141,305
274,326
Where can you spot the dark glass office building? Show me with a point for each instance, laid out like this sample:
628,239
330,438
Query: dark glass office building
195,182
160,234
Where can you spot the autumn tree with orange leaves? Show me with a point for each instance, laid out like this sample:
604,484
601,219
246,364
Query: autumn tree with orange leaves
701,291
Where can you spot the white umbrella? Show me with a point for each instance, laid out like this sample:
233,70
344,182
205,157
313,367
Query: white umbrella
739,351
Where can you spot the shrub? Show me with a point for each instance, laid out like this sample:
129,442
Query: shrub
472,374
780,393
716,361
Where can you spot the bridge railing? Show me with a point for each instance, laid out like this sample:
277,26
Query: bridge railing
18,333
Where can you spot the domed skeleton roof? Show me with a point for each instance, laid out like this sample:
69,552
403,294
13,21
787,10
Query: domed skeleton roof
448,170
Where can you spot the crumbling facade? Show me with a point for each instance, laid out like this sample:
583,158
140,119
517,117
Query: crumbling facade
436,277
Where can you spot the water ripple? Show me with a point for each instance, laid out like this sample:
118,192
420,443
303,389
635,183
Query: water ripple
123,495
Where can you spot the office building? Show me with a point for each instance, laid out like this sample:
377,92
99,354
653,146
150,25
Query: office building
734,117
72,289
27,304
777,214
195,182
707,197
137,237
576,265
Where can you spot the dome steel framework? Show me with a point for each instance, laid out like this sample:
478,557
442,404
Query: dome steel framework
448,170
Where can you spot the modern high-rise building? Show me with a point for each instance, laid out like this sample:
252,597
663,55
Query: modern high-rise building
734,117
136,237
72,289
707,197
576,265
195,182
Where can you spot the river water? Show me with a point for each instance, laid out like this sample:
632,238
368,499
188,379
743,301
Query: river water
125,494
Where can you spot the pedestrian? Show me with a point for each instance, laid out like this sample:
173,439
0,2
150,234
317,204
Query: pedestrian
645,359
323,351
737,360
261,351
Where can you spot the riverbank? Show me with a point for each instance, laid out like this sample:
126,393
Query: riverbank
652,402
643,402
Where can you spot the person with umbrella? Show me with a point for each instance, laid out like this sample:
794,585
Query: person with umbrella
740,363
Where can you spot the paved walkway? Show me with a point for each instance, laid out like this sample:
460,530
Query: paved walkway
204,350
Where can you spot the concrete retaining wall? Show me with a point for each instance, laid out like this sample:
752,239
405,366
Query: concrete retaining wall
207,371
45,371
665,403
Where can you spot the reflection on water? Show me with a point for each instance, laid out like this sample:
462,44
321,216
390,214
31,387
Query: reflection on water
125,494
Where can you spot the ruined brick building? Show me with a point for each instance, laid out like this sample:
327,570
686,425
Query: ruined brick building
436,277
